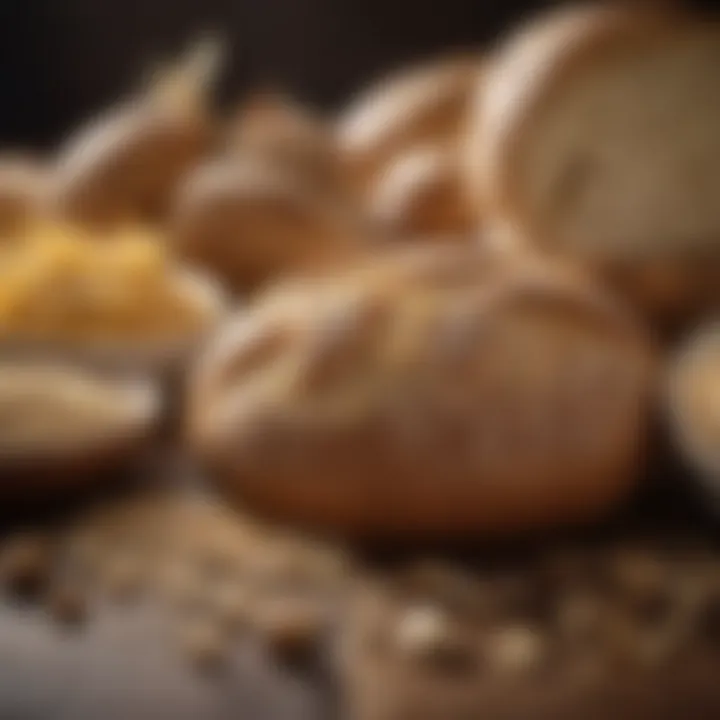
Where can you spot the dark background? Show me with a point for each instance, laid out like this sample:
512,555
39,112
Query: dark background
62,59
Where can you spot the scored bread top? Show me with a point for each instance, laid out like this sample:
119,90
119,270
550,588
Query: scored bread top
419,193
470,394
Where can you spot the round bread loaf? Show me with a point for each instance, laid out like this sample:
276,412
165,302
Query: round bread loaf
248,222
427,103
420,194
596,136
437,392
125,164
289,136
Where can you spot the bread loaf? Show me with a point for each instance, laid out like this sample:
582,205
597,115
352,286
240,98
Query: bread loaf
125,164
427,103
420,194
23,183
436,392
596,136
249,222
292,138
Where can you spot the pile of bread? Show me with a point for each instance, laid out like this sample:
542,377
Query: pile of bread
448,310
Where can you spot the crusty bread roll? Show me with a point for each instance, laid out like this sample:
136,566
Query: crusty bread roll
23,184
62,423
248,222
288,135
420,194
437,392
694,405
596,135
427,103
125,164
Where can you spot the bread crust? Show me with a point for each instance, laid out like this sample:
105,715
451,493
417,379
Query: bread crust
525,74
23,183
530,73
419,194
387,404
427,103
247,222
289,136
126,165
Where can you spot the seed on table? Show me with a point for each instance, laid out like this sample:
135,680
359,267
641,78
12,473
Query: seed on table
205,645
425,634
68,605
291,629
25,565
124,578
231,605
517,650
578,617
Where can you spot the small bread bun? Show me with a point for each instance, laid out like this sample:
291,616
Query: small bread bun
125,164
419,194
427,103
438,392
63,423
248,222
694,405
596,136
23,184
290,137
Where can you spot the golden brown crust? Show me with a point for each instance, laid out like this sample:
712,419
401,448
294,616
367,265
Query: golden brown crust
528,81
126,165
427,103
289,136
542,56
23,183
415,403
419,194
248,223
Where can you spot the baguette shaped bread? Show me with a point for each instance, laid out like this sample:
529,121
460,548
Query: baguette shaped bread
126,163
431,393
248,222
596,136
427,103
